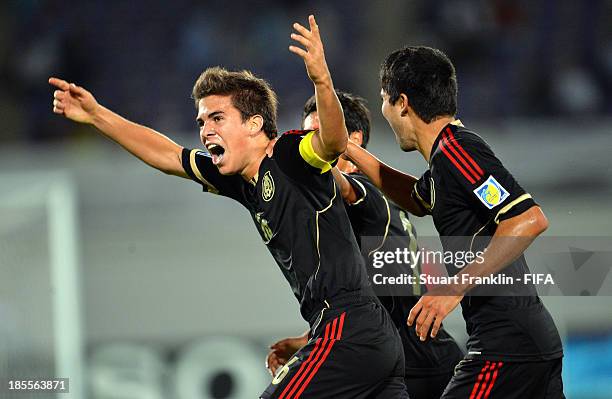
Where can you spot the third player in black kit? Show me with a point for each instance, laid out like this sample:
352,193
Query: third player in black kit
514,349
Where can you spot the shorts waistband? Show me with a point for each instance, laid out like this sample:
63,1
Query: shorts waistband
341,301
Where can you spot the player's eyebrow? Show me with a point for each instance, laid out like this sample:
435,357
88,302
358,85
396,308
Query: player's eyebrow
200,120
215,113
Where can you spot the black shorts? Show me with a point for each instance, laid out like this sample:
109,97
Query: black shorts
354,352
484,379
427,386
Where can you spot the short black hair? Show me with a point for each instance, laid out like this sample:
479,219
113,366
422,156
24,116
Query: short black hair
426,76
356,113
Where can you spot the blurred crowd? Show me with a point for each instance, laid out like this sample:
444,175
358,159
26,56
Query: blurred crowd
515,58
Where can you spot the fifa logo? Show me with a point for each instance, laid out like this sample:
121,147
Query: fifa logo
491,193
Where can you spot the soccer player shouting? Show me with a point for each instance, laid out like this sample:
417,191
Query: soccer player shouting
514,349
288,189
429,365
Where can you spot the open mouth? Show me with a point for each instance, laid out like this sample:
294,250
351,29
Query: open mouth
216,152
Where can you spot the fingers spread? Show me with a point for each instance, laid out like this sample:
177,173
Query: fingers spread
302,53
302,30
301,39
313,24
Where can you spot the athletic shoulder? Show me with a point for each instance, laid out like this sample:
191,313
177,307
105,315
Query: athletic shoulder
296,156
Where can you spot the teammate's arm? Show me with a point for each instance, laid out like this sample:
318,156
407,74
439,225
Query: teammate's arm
512,237
151,147
346,189
396,185
330,141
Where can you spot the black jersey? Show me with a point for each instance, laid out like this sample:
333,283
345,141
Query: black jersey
300,216
373,215
468,192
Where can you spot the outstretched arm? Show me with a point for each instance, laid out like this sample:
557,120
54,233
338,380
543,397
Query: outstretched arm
153,148
330,140
395,184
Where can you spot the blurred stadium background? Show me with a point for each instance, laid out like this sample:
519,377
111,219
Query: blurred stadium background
135,285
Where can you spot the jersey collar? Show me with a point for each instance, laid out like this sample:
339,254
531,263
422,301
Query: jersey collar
454,124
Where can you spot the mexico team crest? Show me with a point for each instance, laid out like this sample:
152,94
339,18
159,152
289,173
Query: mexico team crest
491,193
267,187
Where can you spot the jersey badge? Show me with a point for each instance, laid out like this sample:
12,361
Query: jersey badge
267,187
491,193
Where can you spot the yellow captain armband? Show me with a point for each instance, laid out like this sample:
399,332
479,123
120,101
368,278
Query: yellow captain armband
310,156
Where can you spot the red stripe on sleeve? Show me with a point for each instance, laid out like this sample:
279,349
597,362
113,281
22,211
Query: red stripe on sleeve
467,156
451,144
450,157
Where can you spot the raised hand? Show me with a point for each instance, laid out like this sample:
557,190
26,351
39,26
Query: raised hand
73,102
313,54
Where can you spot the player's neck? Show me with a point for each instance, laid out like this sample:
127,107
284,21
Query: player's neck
250,172
427,133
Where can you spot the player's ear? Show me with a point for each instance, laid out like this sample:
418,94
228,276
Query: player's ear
404,104
255,123
356,137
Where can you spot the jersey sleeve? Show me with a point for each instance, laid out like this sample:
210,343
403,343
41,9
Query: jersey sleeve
199,167
370,204
480,176
295,156
421,192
